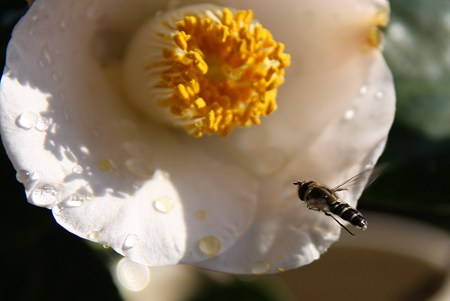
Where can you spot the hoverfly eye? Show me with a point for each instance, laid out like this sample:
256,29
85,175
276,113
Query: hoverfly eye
302,189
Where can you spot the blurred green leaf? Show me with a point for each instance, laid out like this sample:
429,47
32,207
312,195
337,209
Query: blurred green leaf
418,50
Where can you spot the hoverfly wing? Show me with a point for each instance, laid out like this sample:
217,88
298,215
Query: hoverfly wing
369,175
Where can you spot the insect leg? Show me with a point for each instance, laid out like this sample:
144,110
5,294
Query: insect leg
326,213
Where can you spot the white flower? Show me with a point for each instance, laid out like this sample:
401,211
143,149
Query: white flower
138,183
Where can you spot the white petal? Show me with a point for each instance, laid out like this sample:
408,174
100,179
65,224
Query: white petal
98,148
101,167
285,234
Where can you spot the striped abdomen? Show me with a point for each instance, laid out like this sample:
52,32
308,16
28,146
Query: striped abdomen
347,213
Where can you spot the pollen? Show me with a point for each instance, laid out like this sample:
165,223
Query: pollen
213,70
381,20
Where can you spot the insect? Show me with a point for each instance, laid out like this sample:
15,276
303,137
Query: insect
319,197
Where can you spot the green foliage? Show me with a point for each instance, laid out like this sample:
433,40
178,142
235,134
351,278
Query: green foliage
417,47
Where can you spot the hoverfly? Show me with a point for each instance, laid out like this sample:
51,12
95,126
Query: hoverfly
319,197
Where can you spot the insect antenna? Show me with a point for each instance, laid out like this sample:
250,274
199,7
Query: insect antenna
340,223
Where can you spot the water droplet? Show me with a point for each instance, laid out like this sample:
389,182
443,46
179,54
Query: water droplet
349,114
106,246
84,150
130,241
163,204
23,176
77,169
379,94
140,168
260,267
27,120
73,200
45,196
94,235
209,245
131,275
363,90
201,214
35,17
104,165
367,166
42,124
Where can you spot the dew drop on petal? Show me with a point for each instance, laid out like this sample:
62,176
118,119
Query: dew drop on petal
349,114
163,204
27,120
45,196
85,150
23,176
106,246
94,235
73,200
77,169
131,275
363,90
42,124
35,17
209,245
260,267
130,241
140,168
379,94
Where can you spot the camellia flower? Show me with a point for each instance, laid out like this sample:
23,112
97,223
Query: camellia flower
173,131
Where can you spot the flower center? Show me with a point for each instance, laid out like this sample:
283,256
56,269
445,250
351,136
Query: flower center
210,69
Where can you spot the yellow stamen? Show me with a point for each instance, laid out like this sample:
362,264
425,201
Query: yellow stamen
381,20
217,70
